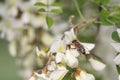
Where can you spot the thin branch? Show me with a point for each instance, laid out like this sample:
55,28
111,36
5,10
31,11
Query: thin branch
80,25
78,10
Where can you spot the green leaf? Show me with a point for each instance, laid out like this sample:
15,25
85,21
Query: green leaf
115,17
104,17
56,11
69,68
41,10
67,76
39,4
118,68
115,36
57,4
111,17
103,2
49,21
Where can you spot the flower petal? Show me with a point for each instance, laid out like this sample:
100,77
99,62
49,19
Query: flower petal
119,77
86,76
52,66
74,52
59,57
12,48
58,74
71,60
40,54
117,59
58,46
118,30
97,65
116,46
69,36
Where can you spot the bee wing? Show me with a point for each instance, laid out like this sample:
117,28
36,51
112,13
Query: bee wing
88,47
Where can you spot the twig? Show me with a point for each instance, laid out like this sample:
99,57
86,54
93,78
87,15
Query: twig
78,10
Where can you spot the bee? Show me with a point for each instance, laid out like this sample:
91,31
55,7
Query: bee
79,47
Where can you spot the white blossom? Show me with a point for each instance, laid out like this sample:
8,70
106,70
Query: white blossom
58,46
37,76
119,77
52,66
59,57
13,11
70,59
118,31
45,37
97,65
74,52
40,54
12,48
69,36
85,76
58,74
116,46
117,59
25,17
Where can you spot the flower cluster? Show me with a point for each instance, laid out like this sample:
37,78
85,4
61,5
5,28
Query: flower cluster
116,45
63,59
23,27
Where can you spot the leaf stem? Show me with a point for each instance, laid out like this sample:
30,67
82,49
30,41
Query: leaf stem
47,7
78,10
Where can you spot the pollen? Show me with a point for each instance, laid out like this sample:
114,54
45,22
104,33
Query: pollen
60,48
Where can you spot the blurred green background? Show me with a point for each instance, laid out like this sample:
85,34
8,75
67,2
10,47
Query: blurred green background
8,69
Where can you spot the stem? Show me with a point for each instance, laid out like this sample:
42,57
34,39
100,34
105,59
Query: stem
78,10
84,23
47,7
81,25
98,26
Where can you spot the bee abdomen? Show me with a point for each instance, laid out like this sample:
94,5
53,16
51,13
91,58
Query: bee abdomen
81,50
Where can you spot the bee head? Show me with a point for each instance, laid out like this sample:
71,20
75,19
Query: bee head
74,41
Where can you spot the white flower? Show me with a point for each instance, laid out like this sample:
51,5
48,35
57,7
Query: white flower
36,76
38,21
40,54
58,74
13,11
117,59
59,57
25,17
97,65
88,47
58,46
69,36
116,46
42,77
25,47
45,37
31,34
85,76
74,52
12,48
52,66
119,77
118,30
32,78
70,59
